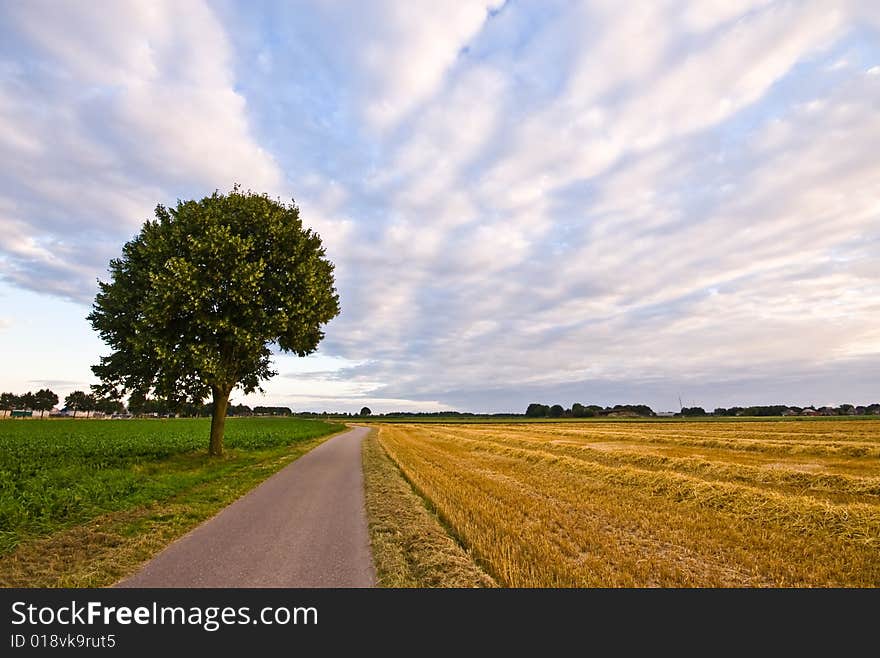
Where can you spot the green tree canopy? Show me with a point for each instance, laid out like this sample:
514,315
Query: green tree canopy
80,401
366,411
203,292
8,401
136,402
109,406
28,401
556,411
693,411
44,400
537,410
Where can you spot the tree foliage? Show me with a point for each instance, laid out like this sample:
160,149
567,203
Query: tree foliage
8,401
537,410
44,400
201,295
578,410
693,411
80,401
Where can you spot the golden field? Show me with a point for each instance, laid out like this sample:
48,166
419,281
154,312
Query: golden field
678,504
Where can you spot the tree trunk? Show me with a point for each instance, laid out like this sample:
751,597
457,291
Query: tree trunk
218,421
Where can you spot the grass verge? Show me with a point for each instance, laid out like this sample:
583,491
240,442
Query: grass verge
108,547
411,548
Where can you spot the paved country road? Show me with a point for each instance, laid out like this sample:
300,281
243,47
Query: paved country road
303,527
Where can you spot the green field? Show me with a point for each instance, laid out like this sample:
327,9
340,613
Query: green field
59,474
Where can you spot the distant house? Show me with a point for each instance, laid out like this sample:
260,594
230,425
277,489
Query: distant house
665,414
809,411
826,411
789,412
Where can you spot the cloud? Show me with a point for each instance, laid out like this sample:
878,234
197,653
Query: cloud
523,201
601,265
106,111
49,383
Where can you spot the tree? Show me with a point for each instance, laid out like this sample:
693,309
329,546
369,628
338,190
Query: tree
240,410
44,400
693,411
556,411
136,403
578,410
79,401
365,411
537,410
109,406
8,401
28,401
89,404
200,295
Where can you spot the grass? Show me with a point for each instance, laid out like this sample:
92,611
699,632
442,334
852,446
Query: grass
411,548
83,503
680,504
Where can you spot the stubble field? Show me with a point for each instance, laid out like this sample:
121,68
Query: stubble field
755,504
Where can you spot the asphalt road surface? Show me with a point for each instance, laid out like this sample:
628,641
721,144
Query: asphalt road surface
303,527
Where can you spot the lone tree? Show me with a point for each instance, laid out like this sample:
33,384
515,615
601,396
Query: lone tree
201,294
366,411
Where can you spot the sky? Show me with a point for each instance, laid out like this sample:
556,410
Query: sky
596,202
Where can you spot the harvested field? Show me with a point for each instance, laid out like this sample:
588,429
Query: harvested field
729,504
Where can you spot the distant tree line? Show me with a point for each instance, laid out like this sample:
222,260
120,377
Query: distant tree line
42,401
789,410
578,410
81,402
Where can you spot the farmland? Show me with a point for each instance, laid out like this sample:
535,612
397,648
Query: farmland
73,492
595,504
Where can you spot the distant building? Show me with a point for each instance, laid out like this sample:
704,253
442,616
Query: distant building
665,414
809,411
